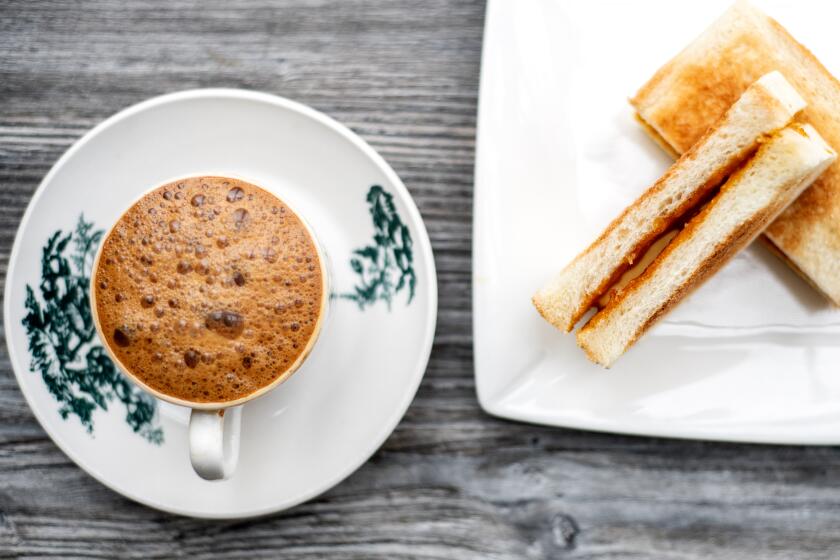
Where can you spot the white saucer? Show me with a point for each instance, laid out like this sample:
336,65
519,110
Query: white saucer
318,427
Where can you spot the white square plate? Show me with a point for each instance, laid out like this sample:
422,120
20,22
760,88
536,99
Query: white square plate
753,355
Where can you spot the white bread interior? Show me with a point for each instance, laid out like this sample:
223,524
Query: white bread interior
766,106
782,168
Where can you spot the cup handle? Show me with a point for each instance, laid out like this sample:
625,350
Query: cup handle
214,442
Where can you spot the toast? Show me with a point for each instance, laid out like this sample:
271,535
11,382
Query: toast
690,92
751,198
764,107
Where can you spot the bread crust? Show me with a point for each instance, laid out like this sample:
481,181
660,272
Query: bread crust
775,250
656,137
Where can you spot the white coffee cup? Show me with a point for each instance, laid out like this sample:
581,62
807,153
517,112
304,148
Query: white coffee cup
214,428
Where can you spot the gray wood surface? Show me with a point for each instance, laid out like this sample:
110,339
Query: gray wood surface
451,482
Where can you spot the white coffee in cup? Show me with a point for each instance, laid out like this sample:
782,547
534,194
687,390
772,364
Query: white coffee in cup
208,291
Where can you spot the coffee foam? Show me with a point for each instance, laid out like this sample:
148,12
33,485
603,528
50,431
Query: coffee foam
208,289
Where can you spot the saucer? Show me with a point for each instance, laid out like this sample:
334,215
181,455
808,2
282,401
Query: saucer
323,423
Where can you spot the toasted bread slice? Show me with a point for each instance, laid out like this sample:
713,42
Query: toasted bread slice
752,197
696,87
766,106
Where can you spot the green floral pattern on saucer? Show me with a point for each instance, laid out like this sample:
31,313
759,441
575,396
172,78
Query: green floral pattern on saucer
384,267
77,372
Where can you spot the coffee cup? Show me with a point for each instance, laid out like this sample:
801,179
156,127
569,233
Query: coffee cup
209,292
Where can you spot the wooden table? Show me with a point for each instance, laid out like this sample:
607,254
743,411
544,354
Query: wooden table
451,482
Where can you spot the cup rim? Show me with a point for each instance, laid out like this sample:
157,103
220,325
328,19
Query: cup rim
215,405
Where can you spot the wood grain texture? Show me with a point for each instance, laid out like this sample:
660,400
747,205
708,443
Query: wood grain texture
451,482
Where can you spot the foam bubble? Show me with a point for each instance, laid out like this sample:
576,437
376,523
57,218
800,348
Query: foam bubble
235,194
